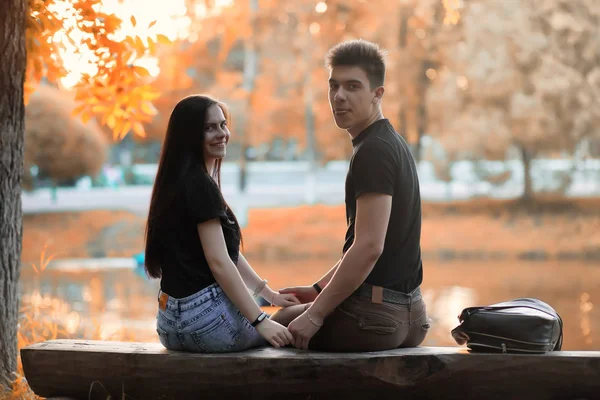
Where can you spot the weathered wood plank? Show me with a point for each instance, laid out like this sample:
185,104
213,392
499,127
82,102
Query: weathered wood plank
148,371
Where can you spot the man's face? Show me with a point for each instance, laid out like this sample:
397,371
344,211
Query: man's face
351,99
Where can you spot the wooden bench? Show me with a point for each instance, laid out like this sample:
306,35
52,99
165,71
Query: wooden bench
69,368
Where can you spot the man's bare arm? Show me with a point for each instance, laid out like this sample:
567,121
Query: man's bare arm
372,217
325,279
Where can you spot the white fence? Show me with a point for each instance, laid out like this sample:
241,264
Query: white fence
271,184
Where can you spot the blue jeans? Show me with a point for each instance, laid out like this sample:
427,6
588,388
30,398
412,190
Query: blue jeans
205,322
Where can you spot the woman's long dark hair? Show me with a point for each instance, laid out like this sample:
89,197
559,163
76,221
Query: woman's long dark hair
182,156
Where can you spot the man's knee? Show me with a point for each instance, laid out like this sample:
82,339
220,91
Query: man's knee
286,315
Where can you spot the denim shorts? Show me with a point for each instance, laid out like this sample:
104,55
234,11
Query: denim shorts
205,322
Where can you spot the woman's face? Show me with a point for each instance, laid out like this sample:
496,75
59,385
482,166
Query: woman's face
216,134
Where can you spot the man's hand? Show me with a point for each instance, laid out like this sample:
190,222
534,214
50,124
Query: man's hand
285,300
306,294
303,328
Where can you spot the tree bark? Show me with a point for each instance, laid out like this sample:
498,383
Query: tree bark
526,158
249,78
310,194
12,123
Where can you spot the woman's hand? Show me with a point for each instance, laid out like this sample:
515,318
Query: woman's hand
306,294
285,300
274,333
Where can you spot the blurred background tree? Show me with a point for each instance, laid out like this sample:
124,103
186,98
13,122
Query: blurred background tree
526,79
59,147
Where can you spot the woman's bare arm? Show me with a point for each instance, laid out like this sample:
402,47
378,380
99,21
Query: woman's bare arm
224,270
252,279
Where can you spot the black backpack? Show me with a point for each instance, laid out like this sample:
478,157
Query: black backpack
523,325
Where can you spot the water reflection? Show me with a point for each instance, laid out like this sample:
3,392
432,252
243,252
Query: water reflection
120,303
444,306
585,306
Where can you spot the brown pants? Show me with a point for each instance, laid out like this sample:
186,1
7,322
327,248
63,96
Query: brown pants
358,324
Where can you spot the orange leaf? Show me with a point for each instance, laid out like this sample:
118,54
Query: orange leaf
77,110
118,129
111,121
138,129
129,40
160,38
99,109
152,24
150,95
141,71
147,108
140,47
151,46
126,129
85,117
133,21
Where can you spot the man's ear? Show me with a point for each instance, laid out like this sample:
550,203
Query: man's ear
378,94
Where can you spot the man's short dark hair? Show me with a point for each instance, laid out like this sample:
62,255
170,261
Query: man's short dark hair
360,53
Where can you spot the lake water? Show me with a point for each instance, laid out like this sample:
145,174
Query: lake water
113,303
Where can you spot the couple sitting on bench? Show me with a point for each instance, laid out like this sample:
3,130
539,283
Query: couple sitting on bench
369,301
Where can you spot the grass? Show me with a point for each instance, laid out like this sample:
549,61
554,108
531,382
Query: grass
40,320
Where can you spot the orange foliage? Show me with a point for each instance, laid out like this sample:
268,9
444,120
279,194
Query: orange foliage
120,93
288,92
289,37
44,317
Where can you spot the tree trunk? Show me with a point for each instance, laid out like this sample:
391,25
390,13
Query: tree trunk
310,195
12,123
243,129
526,158
249,76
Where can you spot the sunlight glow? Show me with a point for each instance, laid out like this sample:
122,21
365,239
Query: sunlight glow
321,7
171,21
314,28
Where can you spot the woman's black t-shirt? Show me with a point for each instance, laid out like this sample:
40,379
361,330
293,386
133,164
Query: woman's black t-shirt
185,270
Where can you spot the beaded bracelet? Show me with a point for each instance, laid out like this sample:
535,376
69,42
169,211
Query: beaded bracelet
260,287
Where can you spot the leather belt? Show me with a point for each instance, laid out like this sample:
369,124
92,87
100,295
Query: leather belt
378,294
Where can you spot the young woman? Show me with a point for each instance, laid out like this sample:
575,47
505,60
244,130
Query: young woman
193,244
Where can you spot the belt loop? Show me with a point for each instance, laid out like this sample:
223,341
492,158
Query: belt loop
177,308
213,291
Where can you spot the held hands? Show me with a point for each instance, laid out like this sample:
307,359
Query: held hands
303,328
306,294
274,333
284,300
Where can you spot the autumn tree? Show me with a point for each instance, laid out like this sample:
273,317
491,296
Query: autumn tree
525,77
12,112
119,93
279,88
422,33
288,95
60,146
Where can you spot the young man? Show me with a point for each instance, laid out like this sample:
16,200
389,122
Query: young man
370,300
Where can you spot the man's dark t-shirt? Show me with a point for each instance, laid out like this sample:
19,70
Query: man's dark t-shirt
185,270
382,163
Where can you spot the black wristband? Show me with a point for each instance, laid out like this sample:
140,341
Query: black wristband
261,317
317,287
